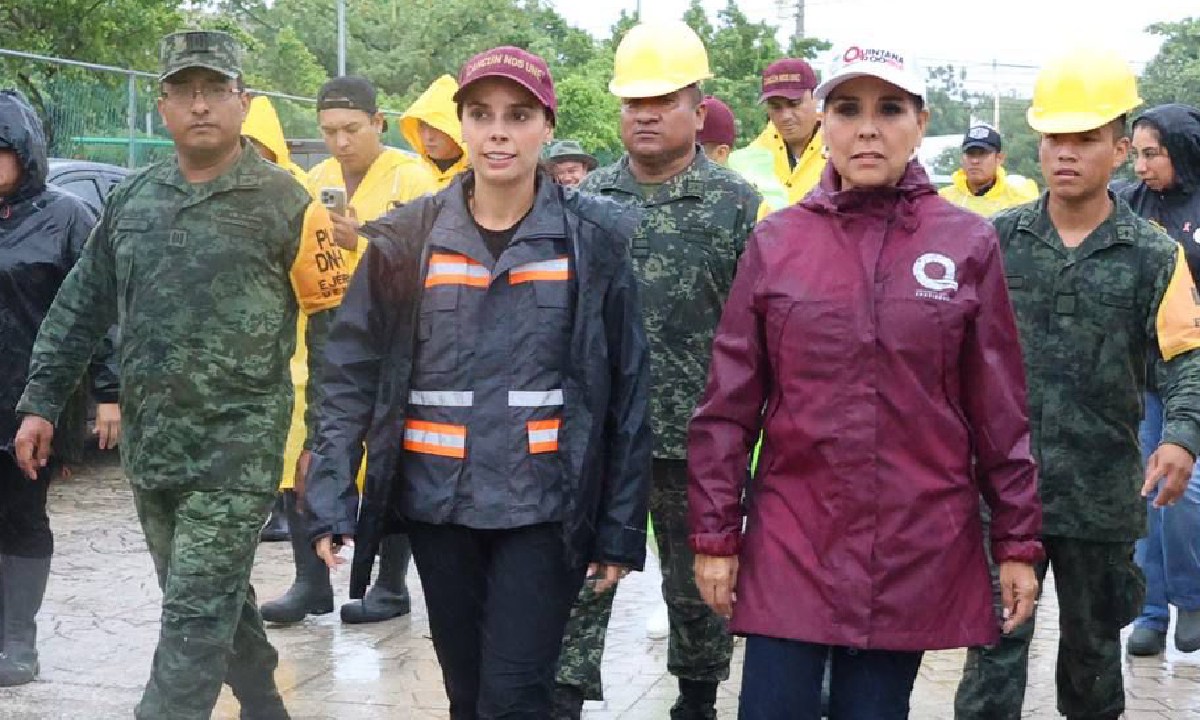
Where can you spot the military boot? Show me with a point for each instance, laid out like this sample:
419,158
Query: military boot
568,703
697,701
311,593
23,586
276,529
388,597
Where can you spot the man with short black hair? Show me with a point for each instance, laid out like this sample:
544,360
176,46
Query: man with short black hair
204,260
981,185
1096,289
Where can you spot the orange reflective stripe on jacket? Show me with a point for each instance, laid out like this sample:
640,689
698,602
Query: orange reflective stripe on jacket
558,269
430,438
454,269
543,435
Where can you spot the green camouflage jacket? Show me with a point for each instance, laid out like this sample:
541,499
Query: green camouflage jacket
693,231
1087,317
205,282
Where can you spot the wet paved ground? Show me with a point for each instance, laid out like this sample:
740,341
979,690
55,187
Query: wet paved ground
99,625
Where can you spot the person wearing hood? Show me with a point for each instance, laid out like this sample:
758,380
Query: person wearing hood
1166,158
262,128
982,185
491,354
825,346
791,145
372,179
42,233
431,126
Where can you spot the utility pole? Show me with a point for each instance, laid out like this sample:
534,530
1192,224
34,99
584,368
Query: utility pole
799,20
341,33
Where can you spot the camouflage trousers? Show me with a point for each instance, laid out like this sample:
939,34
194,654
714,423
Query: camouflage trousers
700,646
203,547
1100,591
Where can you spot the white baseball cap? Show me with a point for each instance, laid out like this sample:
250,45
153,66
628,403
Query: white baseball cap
891,66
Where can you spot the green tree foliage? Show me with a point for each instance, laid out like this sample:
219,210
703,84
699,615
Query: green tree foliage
82,101
1174,73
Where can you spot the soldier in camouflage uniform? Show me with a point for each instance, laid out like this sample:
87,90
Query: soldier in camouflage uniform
1094,287
696,217
203,261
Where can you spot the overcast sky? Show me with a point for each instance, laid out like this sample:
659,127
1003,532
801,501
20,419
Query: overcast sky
966,33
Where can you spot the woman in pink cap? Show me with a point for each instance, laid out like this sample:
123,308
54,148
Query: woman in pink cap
490,352
869,336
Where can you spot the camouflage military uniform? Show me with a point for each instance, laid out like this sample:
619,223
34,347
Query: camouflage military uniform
204,281
1087,317
685,252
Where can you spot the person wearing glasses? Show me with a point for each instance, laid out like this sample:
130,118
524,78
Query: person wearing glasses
204,261
1166,159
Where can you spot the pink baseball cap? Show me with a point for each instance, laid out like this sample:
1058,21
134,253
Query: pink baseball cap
521,66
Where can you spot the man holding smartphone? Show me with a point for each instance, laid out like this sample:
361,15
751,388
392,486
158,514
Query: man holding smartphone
362,181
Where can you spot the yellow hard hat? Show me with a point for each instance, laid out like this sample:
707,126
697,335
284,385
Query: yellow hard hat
1081,91
657,59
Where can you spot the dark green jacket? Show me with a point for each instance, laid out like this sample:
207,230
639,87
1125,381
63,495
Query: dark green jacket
694,228
200,280
1087,317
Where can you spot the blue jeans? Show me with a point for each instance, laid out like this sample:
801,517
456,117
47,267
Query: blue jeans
1169,555
781,680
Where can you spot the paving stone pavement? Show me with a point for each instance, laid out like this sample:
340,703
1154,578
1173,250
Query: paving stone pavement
99,625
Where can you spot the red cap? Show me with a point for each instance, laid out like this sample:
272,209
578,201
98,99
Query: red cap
719,126
788,78
520,66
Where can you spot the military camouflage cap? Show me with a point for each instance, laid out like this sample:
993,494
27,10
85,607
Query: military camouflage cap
216,51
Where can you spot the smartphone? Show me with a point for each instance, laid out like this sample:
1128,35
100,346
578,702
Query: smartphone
334,200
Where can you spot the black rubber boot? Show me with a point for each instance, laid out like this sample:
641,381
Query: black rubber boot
697,701
388,597
311,593
276,529
23,584
568,703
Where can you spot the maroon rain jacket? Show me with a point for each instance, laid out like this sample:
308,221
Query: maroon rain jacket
869,335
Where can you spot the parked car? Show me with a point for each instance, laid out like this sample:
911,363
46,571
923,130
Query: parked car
91,181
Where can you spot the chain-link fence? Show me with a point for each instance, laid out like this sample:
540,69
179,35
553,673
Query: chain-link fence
108,114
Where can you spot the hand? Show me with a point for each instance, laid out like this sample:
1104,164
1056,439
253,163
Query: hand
327,550
345,231
108,425
604,577
1169,469
32,444
715,578
1018,593
300,476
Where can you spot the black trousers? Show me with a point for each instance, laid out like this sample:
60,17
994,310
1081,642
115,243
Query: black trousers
498,601
24,525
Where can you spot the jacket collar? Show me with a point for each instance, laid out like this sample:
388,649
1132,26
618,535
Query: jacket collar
690,183
245,173
1119,228
900,199
456,230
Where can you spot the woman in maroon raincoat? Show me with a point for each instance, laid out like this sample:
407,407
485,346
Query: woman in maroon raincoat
869,336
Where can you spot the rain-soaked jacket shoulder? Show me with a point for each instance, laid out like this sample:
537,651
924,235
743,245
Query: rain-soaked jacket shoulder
262,125
436,107
852,314
605,438
42,232
1177,209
